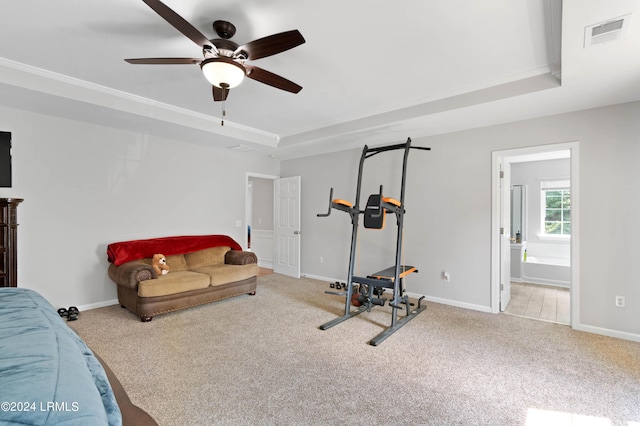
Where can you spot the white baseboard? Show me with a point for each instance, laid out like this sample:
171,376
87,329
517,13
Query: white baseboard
450,302
265,263
321,278
416,296
544,281
98,305
608,332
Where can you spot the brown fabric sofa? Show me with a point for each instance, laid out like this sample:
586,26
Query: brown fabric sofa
195,278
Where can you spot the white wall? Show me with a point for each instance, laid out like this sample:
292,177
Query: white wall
86,186
448,221
262,203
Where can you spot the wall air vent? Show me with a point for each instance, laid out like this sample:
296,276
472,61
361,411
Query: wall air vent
243,148
607,31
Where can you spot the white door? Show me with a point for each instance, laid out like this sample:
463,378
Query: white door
505,234
287,226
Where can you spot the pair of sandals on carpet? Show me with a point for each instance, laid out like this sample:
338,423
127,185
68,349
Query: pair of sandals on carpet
71,313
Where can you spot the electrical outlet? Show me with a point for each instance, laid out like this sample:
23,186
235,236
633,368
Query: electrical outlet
620,301
445,276
321,259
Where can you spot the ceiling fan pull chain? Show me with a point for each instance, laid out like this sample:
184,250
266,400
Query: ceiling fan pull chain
225,93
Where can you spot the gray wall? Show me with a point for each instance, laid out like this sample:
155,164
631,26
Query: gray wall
448,221
86,186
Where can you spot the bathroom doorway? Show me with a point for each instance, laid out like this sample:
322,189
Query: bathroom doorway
539,261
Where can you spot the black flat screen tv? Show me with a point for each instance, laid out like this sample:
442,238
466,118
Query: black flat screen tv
5,159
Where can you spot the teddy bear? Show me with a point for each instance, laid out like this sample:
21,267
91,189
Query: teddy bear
159,264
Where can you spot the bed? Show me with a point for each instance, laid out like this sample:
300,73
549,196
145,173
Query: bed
49,376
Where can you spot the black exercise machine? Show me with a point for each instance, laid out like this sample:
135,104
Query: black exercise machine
372,286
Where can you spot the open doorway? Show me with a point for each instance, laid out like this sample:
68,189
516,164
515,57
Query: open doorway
259,217
535,232
272,215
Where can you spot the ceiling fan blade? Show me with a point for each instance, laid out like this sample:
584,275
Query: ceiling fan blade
220,94
179,23
163,61
274,80
271,45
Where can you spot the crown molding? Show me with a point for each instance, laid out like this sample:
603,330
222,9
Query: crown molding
44,81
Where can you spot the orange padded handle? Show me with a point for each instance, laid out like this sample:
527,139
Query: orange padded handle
342,202
391,201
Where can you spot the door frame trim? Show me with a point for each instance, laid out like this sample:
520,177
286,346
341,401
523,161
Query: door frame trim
505,155
246,195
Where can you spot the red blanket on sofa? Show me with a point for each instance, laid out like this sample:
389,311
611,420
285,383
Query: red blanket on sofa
126,251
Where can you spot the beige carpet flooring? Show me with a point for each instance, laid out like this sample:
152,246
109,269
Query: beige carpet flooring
261,360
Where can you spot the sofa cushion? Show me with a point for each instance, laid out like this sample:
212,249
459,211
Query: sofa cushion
176,262
206,257
224,274
173,283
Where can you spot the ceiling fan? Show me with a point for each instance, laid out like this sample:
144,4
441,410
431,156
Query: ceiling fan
224,61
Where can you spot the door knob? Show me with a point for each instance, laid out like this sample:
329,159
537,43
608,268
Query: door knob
296,232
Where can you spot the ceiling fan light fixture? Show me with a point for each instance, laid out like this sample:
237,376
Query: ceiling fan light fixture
223,72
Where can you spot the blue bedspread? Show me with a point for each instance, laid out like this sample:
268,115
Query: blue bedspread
48,375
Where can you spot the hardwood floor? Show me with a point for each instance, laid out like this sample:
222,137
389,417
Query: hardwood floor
539,302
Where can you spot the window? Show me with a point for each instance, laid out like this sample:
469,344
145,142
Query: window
556,208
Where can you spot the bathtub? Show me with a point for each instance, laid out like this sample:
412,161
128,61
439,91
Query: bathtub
547,264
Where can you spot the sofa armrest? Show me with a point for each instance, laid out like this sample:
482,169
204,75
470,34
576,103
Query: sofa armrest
131,273
237,257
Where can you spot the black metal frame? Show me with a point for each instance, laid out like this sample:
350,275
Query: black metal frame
374,281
